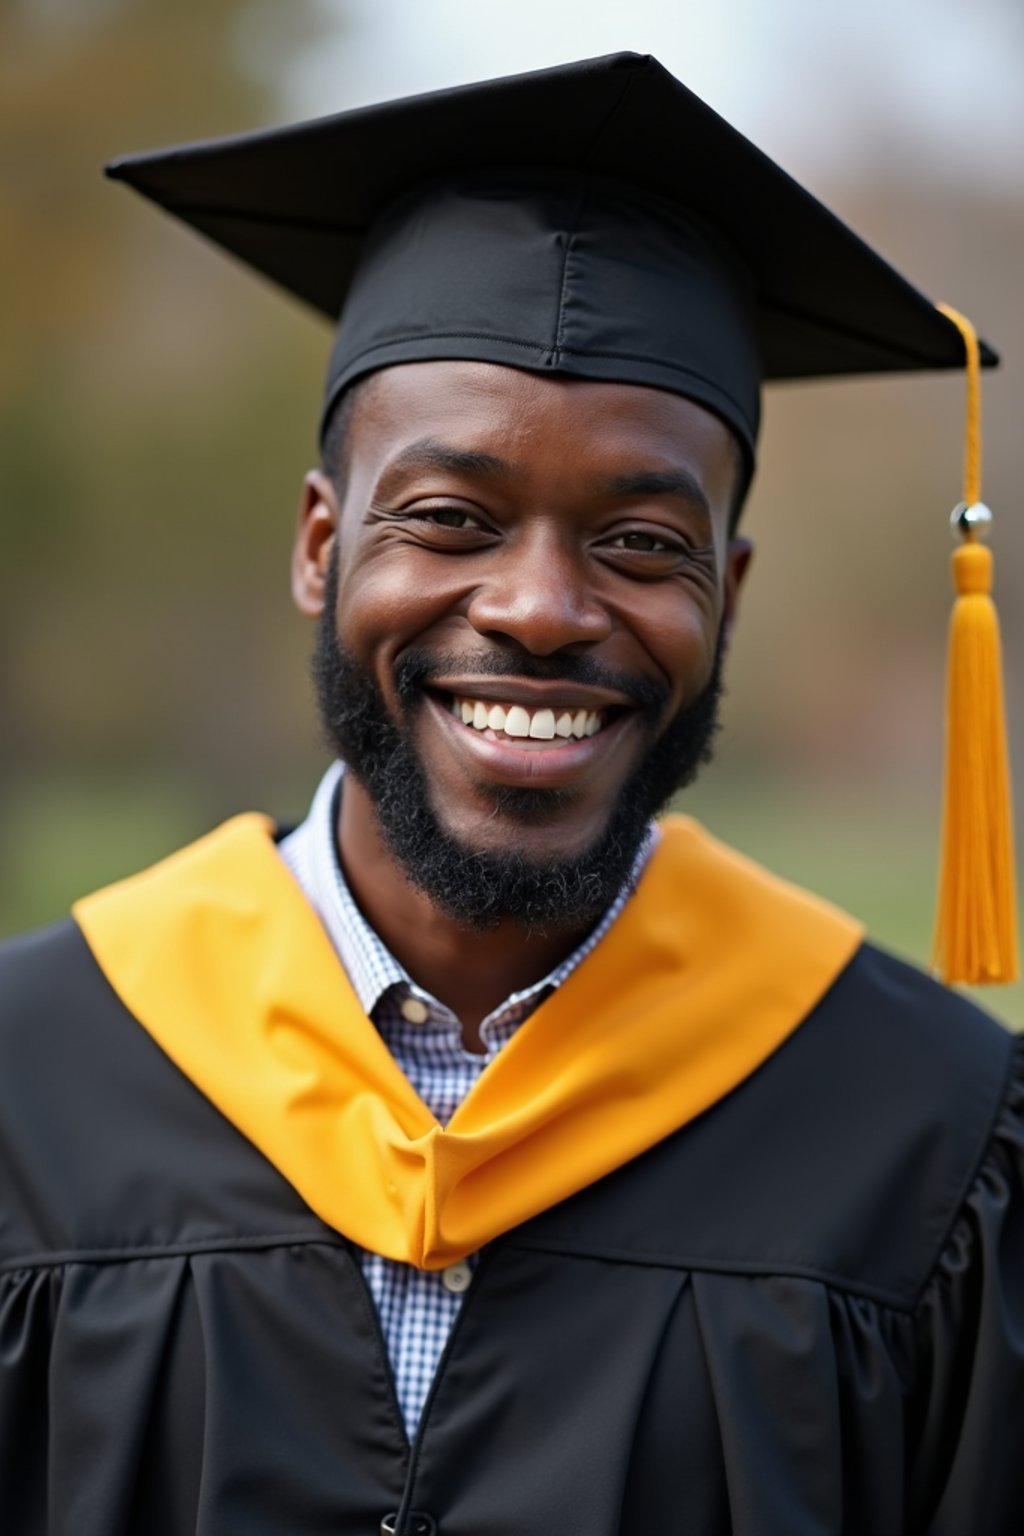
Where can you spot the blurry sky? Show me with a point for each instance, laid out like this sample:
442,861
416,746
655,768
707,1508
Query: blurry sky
826,85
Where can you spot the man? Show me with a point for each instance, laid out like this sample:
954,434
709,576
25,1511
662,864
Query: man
478,1158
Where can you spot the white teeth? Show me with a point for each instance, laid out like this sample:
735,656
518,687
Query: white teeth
517,721
541,724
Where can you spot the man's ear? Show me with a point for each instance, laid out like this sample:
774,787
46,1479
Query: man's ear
315,541
738,556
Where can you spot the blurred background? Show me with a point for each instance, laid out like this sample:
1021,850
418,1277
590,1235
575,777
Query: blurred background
158,408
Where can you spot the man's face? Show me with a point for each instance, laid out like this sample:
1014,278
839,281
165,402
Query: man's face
531,576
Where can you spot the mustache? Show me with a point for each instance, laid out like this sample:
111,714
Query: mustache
415,667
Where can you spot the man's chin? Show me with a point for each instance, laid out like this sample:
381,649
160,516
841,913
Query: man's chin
545,827
518,863
541,858
480,887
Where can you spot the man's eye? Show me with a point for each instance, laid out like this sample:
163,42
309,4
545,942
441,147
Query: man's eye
644,543
447,517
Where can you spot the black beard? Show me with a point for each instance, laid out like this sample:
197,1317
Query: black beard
478,890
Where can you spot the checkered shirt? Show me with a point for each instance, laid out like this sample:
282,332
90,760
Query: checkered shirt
416,1309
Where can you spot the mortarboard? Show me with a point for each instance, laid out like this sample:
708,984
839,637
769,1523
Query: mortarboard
596,219
599,220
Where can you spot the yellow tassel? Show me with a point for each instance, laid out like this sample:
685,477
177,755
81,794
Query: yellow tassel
976,927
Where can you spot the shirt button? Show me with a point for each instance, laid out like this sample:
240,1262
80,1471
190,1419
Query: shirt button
414,1011
456,1277
416,1523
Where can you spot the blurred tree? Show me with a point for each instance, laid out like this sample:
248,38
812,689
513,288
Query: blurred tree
133,485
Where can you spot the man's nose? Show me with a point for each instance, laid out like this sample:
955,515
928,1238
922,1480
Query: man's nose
539,593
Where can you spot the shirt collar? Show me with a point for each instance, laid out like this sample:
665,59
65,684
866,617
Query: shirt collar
311,854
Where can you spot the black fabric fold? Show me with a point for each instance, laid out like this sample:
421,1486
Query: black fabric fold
970,1333
649,1355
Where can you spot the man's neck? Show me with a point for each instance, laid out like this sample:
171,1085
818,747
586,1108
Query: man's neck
471,973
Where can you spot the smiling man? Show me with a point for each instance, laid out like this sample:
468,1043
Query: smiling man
482,1158
519,651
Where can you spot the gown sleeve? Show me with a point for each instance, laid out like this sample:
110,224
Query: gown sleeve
27,1300
970,1431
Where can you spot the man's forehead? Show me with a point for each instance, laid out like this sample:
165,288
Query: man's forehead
463,396
501,427
460,401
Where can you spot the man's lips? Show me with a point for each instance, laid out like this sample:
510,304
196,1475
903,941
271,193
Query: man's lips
541,763
531,693
529,708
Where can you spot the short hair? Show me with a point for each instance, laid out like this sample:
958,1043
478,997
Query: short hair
743,466
336,433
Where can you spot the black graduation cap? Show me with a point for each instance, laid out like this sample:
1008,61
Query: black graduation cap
596,219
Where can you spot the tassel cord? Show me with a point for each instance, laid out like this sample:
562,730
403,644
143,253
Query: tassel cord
976,929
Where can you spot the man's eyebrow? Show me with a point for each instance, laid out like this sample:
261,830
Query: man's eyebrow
429,453
661,482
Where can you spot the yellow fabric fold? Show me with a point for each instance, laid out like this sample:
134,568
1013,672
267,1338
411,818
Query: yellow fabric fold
217,953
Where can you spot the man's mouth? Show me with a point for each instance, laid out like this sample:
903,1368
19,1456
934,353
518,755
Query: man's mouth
505,719
532,734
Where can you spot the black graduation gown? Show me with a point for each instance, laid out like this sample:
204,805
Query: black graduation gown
800,1315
